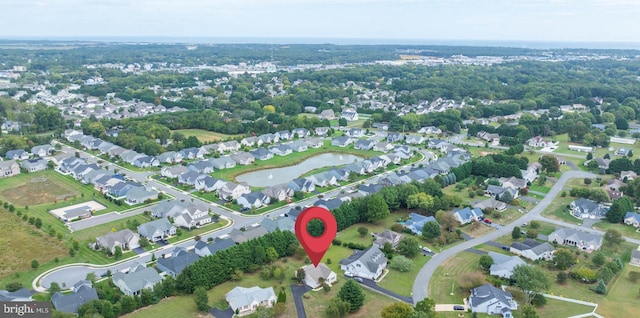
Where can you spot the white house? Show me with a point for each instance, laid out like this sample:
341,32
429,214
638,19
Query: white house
315,276
244,301
493,301
366,264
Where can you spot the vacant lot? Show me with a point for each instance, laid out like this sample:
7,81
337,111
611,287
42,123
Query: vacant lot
622,297
204,135
24,244
446,277
34,189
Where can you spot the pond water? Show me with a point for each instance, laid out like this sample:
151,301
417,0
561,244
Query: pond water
269,177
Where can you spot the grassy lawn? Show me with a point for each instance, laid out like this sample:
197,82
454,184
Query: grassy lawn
625,230
448,274
476,229
558,308
622,297
558,210
205,136
537,188
402,283
180,306
24,244
290,160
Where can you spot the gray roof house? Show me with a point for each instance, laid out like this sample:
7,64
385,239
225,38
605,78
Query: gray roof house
493,301
169,157
139,195
209,184
70,303
416,222
201,166
302,184
126,239
321,131
246,300
414,140
203,249
315,276
298,146
192,153
157,230
137,279
169,208
395,137
278,192
281,150
579,239
585,208
366,264
252,232
300,132
284,135
231,191
387,236
33,165
21,294
18,154
225,162
503,265
635,258
261,154
532,249
322,179
251,141
175,264
9,168
383,146
467,215
173,172
364,144
354,133
243,158
190,177
42,150
254,199
632,218
146,162
341,141
283,223
192,216
314,142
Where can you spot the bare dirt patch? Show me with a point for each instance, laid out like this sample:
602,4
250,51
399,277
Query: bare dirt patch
37,190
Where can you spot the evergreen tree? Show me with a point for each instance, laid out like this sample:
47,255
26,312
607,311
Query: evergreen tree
601,288
201,299
352,293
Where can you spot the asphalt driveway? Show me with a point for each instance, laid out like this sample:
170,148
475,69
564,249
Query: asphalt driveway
298,291
371,284
227,313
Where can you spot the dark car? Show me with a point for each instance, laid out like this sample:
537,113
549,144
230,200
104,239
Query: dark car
458,307
244,209
506,248
358,279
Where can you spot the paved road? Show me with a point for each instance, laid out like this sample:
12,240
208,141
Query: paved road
297,291
421,283
103,218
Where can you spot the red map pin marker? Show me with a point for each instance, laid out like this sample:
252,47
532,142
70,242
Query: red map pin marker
316,246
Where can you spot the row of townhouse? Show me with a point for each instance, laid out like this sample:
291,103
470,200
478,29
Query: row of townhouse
106,182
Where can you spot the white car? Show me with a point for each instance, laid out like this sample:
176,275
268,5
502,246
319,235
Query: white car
426,249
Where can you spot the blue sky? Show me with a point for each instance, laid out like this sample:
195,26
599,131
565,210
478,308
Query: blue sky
495,20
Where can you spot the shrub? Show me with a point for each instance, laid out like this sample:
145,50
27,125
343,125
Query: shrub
538,300
401,264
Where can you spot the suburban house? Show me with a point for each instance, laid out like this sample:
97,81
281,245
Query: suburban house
354,133
203,249
190,177
395,137
168,208
491,300
503,265
250,233
366,264
125,239
253,200
157,230
341,141
539,142
302,184
173,172
138,195
278,192
416,222
231,191
42,151
280,150
492,203
321,131
585,208
33,165
243,158
82,292
137,279
513,183
327,114
582,240
244,301
323,179
623,152
21,294
349,114
501,193
532,249
387,236
251,141
192,153
284,135
300,133
364,144
467,215
192,217
383,146
488,137
314,277
268,138
261,154
9,168
209,184
146,162
414,140
177,262
632,218
282,223
627,175
169,157
18,154
222,162
314,142
201,166
433,130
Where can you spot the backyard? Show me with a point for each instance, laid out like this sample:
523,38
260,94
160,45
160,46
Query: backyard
205,136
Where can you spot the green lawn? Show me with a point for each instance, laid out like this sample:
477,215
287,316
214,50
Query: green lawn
622,297
402,283
448,275
290,160
180,306
625,230
558,210
205,136
537,188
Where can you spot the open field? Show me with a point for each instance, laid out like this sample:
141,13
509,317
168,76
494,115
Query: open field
622,297
33,189
205,136
24,244
445,278
558,210
625,230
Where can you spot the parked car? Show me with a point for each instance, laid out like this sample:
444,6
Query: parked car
488,221
426,249
458,307
358,279
506,248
